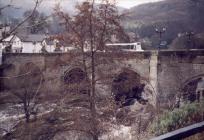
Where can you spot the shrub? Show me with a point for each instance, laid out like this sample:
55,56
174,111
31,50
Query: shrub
178,118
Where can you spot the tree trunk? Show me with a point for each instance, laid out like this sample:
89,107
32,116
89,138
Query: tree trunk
93,96
93,84
27,114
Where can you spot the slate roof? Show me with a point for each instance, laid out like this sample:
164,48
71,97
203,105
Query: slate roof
9,39
32,38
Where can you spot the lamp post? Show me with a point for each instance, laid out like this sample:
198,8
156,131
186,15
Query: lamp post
189,36
160,32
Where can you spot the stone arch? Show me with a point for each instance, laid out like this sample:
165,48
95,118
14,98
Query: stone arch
30,75
10,70
192,79
200,89
75,80
193,89
26,81
29,66
127,87
74,75
21,76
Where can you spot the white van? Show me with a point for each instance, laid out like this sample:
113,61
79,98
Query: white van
125,46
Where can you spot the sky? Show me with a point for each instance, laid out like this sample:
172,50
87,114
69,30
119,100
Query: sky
132,3
68,5
121,3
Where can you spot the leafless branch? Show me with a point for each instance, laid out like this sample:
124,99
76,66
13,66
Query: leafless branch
37,3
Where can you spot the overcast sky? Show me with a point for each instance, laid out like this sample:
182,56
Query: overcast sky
122,3
70,3
131,3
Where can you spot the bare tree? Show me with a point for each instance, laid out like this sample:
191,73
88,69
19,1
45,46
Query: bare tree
89,30
37,3
2,8
36,23
27,89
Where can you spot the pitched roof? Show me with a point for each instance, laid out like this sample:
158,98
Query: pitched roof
9,38
32,38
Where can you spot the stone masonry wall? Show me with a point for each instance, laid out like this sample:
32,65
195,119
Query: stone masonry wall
53,67
174,70
165,72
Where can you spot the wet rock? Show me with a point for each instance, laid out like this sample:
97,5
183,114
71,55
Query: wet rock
120,132
72,135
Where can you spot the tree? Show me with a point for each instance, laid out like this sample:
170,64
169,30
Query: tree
36,23
3,7
195,41
24,90
25,87
89,30
14,29
196,9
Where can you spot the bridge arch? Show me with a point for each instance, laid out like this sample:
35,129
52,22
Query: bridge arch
74,75
30,72
193,89
127,87
29,67
76,80
191,79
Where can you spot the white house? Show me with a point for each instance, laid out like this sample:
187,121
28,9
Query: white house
14,42
31,44
4,29
53,45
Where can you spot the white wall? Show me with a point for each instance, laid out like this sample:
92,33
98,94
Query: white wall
17,44
2,46
50,48
0,56
29,47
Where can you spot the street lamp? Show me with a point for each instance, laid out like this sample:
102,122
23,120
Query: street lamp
190,35
160,32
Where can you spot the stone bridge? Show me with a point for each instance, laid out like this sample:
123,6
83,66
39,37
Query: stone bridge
164,74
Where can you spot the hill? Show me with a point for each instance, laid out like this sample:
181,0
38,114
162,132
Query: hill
183,42
160,11
178,16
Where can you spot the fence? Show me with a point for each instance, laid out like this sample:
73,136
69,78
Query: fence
183,132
